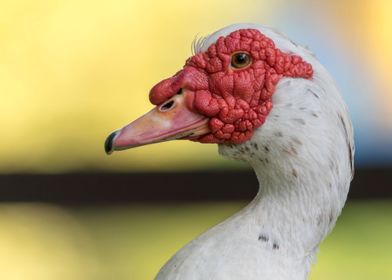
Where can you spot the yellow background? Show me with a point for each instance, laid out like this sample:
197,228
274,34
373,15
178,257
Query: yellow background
73,71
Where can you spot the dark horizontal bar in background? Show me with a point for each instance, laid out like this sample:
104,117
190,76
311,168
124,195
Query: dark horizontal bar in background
154,187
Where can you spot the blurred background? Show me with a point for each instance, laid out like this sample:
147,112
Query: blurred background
73,71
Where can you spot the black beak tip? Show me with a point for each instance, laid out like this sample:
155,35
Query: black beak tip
109,143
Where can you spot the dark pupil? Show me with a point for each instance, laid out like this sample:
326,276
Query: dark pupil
240,59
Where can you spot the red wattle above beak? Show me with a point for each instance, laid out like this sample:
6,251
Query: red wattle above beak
168,121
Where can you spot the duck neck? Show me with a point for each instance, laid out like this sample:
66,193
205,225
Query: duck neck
294,210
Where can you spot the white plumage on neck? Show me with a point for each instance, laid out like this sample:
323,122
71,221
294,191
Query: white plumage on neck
302,156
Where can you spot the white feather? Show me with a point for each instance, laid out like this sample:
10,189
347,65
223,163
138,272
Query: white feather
302,156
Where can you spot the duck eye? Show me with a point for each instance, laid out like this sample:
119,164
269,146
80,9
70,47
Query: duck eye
240,60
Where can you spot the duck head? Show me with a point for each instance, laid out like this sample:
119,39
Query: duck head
221,95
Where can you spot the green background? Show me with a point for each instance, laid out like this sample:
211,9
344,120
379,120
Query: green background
132,242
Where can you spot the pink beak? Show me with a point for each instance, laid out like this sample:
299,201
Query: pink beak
168,121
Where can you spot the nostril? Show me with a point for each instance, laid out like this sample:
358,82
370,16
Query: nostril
179,91
167,106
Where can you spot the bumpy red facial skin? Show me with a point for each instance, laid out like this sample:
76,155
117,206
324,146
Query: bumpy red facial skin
237,101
